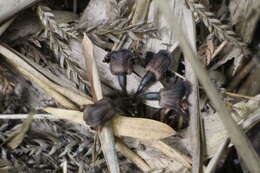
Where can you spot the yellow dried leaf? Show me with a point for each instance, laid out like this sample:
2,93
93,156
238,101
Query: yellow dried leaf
71,115
17,137
135,158
141,128
106,136
171,152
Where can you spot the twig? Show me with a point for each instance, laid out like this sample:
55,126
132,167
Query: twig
237,79
194,110
238,95
214,161
242,144
219,48
23,116
120,146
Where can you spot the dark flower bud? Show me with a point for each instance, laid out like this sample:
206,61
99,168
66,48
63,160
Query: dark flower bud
156,68
173,96
121,64
98,113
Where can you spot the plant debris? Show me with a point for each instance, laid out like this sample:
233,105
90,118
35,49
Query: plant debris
111,88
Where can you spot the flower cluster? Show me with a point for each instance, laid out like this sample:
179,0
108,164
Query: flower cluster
121,64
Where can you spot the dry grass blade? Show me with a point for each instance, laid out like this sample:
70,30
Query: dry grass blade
92,71
56,95
75,96
120,146
18,60
240,141
171,152
14,58
194,108
71,115
106,134
138,128
17,137
122,126
211,168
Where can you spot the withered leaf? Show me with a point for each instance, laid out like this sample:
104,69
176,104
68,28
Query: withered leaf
17,137
71,115
91,66
141,128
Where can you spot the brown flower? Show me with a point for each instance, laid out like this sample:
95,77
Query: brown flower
121,62
156,68
98,113
173,96
159,63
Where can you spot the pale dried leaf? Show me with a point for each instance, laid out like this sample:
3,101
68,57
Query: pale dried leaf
135,158
172,153
17,137
141,128
23,67
76,96
53,93
71,115
92,71
215,132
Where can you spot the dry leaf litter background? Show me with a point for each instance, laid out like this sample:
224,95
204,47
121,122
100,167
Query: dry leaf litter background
52,66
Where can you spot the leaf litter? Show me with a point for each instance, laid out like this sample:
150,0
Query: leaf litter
43,68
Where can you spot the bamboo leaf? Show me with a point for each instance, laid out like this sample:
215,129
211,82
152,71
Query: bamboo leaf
91,66
71,115
141,128
135,158
106,134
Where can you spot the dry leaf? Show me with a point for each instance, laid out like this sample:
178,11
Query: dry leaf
106,134
17,137
71,115
92,71
56,95
209,51
120,146
23,67
74,95
172,153
141,128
